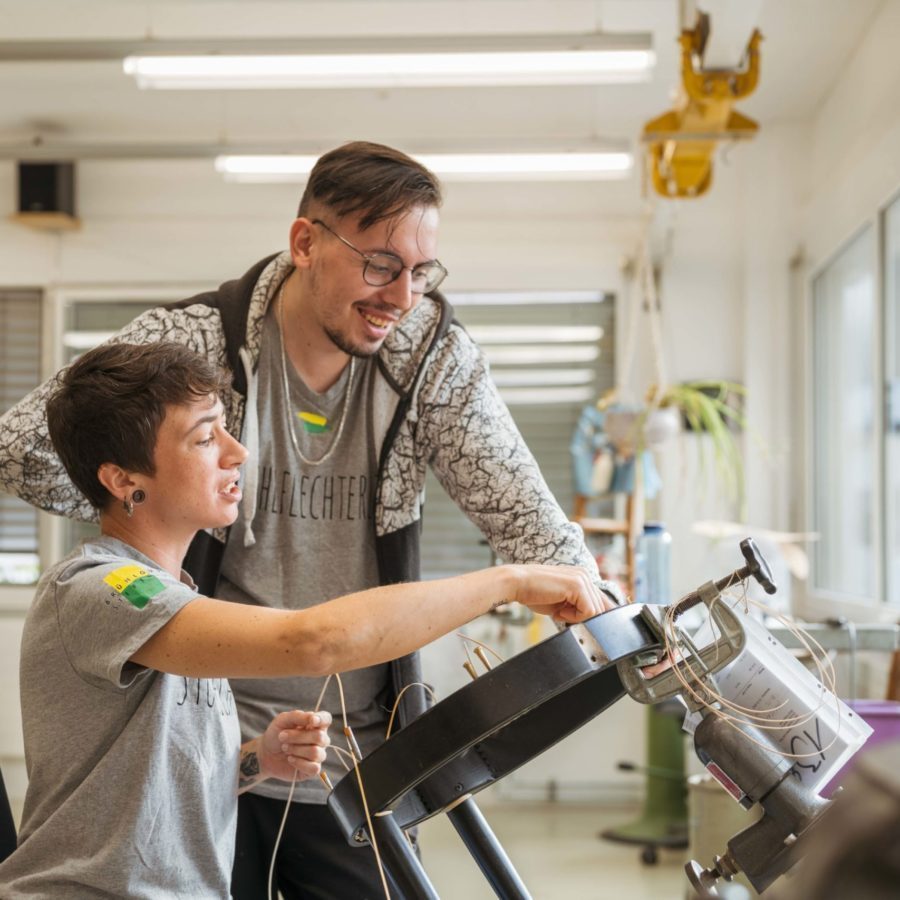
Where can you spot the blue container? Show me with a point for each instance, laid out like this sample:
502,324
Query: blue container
655,545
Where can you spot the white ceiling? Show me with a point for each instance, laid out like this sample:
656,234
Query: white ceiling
93,103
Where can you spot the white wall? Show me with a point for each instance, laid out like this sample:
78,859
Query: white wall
854,154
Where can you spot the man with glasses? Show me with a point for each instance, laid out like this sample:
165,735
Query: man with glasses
350,377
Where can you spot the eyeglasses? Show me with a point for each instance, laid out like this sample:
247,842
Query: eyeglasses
383,268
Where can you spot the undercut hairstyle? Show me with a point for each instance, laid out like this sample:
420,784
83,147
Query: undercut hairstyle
108,406
371,181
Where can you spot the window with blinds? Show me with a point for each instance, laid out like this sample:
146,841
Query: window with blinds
550,354
20,372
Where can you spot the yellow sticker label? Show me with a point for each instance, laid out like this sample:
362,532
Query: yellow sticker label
121,578
312,418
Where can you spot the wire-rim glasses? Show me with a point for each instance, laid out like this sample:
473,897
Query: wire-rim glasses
381,269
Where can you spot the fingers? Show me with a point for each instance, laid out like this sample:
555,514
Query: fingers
304,744
305,756
304,768
607,602
310,743
568,593
298,718
594,596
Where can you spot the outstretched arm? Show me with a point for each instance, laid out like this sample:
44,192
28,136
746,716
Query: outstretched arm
216,639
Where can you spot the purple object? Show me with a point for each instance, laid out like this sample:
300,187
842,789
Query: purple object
883,716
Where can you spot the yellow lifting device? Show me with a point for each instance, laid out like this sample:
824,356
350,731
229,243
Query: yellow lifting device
681,143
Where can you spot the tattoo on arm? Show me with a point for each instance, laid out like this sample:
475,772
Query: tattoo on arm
250,772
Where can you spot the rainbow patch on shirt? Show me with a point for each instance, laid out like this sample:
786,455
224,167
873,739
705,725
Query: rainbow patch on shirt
135,584
313,422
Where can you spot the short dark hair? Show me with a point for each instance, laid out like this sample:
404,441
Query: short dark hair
108,406
370,180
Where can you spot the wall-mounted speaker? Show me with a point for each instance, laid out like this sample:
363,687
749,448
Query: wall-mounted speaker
47,187
47,195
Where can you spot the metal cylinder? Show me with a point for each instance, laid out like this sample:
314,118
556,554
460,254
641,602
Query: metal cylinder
400,860
754,765
486,850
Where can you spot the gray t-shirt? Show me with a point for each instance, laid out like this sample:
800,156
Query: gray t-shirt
315,540
132,773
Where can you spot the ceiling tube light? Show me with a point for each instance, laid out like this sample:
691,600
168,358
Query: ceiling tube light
593,166
457,62
265,168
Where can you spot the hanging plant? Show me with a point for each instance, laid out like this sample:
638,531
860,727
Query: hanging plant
714,408
708,407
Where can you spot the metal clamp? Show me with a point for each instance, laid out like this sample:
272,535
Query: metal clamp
696,665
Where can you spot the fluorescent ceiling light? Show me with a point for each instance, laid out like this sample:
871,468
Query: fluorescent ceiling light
583,64
592,166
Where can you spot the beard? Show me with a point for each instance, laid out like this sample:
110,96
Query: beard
343,343
340,340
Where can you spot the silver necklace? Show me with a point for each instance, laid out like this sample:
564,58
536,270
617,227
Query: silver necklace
287,394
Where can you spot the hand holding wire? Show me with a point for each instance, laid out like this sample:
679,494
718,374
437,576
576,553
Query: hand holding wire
294,744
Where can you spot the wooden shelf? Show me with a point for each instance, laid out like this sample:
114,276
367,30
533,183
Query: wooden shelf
47,221
594,525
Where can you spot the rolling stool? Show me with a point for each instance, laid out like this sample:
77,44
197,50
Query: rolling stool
663,821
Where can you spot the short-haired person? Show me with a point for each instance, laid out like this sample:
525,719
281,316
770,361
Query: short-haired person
131,734
349,378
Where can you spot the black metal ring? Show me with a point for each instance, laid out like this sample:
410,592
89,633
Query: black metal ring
500,721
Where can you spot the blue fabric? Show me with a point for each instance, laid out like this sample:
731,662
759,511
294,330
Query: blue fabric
623,477
588,440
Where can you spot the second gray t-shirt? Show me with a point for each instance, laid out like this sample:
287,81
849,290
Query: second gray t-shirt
315,540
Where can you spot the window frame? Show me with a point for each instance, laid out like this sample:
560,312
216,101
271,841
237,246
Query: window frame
15,598
816,603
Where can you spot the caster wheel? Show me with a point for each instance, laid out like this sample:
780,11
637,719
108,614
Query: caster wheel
649,856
